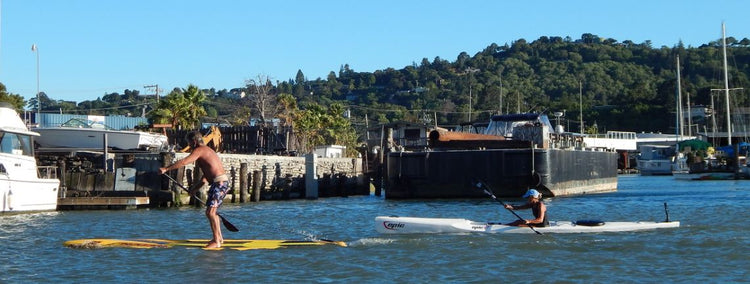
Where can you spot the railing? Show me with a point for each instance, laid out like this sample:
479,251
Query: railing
618,140
47,172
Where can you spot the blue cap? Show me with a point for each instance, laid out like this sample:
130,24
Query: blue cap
532,192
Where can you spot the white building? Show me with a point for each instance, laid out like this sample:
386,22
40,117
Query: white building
330,151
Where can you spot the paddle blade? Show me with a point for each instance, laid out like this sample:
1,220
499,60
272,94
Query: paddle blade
228,225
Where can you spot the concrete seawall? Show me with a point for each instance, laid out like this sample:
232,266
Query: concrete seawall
292,168
267,177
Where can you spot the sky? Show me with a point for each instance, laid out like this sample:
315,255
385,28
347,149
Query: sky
89,48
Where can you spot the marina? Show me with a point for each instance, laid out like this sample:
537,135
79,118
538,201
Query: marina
377,176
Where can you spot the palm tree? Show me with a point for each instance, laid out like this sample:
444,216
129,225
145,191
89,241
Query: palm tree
287,108
182,108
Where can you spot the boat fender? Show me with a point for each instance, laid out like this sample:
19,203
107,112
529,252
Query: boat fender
536,179
590,223
10,200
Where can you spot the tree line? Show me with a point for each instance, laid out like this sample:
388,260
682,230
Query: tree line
618,86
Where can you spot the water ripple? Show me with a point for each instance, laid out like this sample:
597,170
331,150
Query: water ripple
711,245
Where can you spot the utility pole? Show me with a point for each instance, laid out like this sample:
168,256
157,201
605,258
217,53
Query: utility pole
469,102
35,49
580,105
500,105
156,90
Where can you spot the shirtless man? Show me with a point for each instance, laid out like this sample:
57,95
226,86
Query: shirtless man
208,161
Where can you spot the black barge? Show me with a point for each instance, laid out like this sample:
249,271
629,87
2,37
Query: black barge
530,155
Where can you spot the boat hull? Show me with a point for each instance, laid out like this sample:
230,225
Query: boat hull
510,172
61,137
661,167
416,225
725,175
21,188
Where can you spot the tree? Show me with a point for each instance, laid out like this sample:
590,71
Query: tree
287,109
317,125
261,96
300,78
16,101
33,103
112,98
182,108
240,116
307,124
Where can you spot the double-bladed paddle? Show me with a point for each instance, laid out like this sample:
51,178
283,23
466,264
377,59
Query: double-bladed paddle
224,221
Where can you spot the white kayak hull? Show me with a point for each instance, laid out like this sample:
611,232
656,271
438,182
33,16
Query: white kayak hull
417,225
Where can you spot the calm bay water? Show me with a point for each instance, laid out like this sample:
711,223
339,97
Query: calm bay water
713,243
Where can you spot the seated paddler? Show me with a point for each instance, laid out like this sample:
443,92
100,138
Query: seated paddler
533,202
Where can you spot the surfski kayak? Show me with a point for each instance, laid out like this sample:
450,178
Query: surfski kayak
199,243
417,225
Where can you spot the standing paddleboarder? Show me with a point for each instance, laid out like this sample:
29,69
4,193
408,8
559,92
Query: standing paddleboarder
208,161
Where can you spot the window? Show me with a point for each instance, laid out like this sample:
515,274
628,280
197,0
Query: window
13,143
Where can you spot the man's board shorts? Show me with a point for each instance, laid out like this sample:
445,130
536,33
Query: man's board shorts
216,193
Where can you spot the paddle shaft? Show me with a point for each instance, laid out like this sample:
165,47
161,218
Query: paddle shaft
224,221
503,203
489,192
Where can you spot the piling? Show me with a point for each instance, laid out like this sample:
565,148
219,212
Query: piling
62,176
197,177
166,160
256,186
311,178
264,177
243,182
232,179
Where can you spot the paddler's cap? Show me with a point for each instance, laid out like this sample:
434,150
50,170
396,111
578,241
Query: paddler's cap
532,192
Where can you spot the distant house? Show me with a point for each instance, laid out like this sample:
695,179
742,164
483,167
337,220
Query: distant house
330,151
406,135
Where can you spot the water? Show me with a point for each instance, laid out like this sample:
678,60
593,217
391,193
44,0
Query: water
712,244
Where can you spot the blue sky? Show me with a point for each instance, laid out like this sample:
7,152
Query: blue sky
88,48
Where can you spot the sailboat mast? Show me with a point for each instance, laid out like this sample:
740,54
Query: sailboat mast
580,105
726,82
679,117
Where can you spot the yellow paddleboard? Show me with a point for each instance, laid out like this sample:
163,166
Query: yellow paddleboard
164,243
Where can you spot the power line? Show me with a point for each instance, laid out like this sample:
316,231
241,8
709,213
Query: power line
419,110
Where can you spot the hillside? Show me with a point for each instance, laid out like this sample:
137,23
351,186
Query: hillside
622,85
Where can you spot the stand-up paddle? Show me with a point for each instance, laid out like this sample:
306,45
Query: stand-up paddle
226,223
488,191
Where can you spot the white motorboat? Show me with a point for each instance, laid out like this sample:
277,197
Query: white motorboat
21,189
77,133
417,225
655,160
